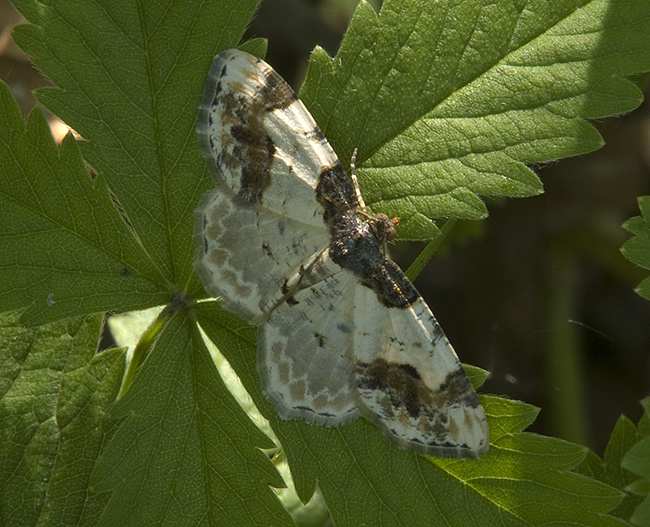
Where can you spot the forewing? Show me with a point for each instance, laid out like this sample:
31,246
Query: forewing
305,349
411,382
260,139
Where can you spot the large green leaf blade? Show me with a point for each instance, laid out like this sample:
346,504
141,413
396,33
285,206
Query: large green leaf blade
129,78
446,101
186,453
65,248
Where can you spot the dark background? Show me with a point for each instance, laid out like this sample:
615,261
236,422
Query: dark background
538,294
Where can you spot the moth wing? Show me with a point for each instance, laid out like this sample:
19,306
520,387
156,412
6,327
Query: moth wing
262,226
260,140
305,349
251,256
335,341
411,382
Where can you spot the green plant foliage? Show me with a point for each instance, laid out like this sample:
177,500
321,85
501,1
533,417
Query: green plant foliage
637,461
637,249
364,479
185,437
54,397
610,469
445,100
503,84
65,249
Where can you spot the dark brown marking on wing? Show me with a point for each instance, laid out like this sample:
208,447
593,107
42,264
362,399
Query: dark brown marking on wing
276,93
405,388
254,150
403,392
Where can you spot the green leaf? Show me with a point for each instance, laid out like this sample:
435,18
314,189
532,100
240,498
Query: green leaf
637,461
446,101
128,78
365,480
185,438
637,249
55,391
65,248
609,470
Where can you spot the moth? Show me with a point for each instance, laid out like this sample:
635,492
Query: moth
284,243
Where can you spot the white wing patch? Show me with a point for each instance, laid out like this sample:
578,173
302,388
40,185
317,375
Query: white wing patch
343,332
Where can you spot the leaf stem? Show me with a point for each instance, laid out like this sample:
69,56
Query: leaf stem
423,258
142,348
563,349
